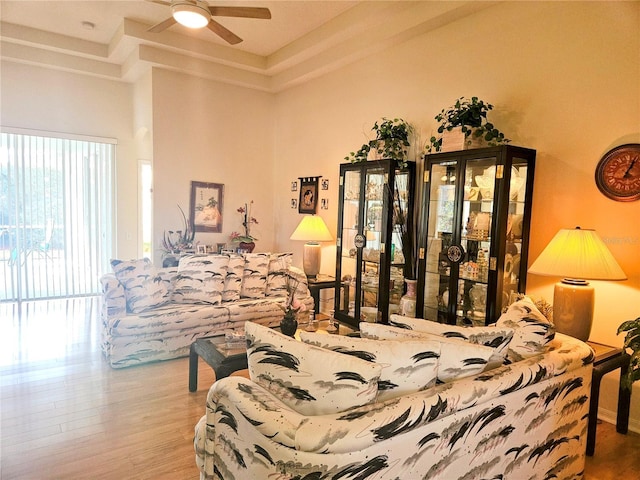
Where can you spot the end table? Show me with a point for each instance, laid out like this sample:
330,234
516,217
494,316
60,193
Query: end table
607,359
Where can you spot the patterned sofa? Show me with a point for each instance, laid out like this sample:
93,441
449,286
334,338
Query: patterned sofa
151,314
521,420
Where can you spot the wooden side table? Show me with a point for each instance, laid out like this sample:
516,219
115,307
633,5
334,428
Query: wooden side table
607,359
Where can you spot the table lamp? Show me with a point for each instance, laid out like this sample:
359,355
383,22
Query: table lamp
311,229
578,255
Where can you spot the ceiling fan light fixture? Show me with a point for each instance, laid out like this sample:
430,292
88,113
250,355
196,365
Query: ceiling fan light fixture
191,15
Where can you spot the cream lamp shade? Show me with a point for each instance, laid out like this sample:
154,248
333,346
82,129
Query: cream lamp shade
191,15
311,229
578,255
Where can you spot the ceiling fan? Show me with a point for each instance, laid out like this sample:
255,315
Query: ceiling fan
198,14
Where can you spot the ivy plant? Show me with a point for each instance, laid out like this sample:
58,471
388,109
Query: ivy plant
391,141
471,115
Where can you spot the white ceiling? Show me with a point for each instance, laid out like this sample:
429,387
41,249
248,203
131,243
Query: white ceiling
302,40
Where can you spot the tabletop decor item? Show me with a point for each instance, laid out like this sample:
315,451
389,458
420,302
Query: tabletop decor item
469,118
391,141
291,308
631,341
179,241
245,242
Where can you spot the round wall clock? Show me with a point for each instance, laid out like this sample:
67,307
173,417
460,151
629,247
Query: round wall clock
618,173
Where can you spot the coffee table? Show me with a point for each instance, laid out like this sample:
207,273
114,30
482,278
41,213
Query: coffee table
228,358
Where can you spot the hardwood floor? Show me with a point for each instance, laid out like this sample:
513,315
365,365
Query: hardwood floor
65,414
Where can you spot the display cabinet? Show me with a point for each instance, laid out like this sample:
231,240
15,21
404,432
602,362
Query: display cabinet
473,233
373,248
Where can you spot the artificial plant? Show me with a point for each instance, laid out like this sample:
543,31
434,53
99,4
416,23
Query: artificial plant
179,240
471,115
391,141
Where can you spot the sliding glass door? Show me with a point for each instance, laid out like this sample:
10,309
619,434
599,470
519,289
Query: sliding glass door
56,197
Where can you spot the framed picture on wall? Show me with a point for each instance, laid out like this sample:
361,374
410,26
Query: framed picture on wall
206,206
308,201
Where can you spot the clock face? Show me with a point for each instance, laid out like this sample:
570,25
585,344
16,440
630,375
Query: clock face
618,173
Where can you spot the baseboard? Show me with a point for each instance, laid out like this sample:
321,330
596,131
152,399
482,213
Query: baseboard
610,416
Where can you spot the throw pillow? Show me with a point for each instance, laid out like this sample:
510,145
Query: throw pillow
407,366
532,330
200,279
254,276
144,289
233,280
279,263
497,338
309,379
458,359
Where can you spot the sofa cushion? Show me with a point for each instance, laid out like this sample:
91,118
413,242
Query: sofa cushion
233,280
458,359
532,330
279,264
144,289
309,379
407,366
200,279
497,338
254,276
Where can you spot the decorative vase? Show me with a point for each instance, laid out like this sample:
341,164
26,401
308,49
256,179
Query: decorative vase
247,246
289,324
408,300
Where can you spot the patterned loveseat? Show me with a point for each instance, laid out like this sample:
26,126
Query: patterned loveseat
151,314
520,420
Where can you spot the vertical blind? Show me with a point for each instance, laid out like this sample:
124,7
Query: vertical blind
56,215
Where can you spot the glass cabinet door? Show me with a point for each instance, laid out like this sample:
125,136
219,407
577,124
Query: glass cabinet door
515,253
479,182
374,208
439,238
350,220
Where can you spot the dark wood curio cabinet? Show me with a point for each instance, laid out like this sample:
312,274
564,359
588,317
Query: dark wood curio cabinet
474,233
373,254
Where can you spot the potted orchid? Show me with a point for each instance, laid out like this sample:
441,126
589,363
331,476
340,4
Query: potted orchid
291,308
246,241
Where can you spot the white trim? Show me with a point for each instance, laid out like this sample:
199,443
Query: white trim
61,135
610,417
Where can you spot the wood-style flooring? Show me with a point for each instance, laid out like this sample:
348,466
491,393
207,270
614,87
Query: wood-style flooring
65,414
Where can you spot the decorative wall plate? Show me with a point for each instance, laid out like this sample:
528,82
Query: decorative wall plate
618,173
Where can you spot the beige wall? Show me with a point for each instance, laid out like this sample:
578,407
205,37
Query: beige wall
564,80
568,95
207,131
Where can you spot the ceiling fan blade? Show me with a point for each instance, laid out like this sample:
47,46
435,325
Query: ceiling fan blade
246,12
162,25
160,2
223,32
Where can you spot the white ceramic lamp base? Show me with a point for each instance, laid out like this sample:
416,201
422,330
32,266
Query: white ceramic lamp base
573,309
311,257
